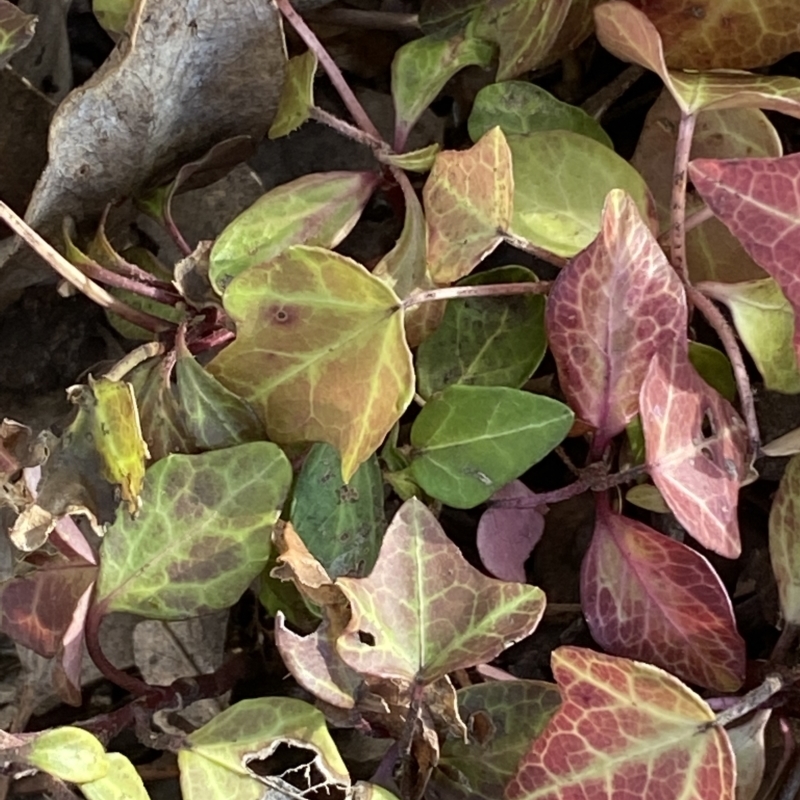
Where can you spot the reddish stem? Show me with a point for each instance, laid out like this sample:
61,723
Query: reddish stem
110,278
329,65
678,203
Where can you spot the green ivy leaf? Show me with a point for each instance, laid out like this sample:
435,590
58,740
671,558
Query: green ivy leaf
521,107
485,341
215,759
470,441
320,352
342,525
202,535
113,14
121,782
297,96
420,70
714,368
72,754
214,416
317,209
561,180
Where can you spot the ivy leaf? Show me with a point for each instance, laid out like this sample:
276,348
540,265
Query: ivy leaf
297,95
626,724
404,269
696,445
71,754
524,30
219,754
712,252
320,352
648,597
469,441
415,161
341,524
561,180
485,341
113,14
506,535
317,209
765,323
203,533
117,434
468,200
427,610
38,608
121,782
16,30
420,70
728,34
446,17
611,309
628,34
214,416
503,718
747,740
757,199
521,107
714,367
784,530
162,418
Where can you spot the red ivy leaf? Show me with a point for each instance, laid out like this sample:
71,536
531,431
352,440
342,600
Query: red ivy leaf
696,445
648,597
612,308
757,199
624,730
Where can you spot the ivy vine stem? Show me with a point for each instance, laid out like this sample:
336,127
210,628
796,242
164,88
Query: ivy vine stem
678,203
464,292
329,65
74,276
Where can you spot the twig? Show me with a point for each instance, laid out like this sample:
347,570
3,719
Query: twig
678,203
346,129
489,290
368,20
329,65
74,276
754,699
602,100
133,359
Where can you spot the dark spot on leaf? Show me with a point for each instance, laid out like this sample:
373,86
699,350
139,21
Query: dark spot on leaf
481,728
281,314
348,494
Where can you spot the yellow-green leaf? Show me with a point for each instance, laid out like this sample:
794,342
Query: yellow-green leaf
71,754
320,352
297,96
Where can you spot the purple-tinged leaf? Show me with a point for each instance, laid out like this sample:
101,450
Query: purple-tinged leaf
758,198
696,445
612,308
507,535
648,597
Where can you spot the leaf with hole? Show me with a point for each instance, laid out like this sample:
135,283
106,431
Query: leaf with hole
696,445
202,536
215,760
424,611
470,441
320,352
